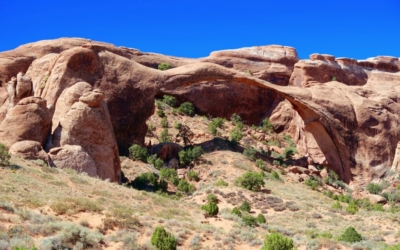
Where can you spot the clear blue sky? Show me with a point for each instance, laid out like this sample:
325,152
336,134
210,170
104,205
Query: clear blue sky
188,28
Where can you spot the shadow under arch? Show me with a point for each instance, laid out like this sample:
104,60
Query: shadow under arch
316,124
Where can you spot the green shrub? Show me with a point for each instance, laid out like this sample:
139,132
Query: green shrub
337,205
170,175
251,180
184,158
136,152
163,240
144,179
177,125
250,153
374,188
275,175
249,220
236,211
221,183
245,207
313,182
189,155
164,66
216,123
261,219
4,156
186,108
164,122
235,118
193,176
170,100
289,152
267,125
352,208
212,198
260,164
350,235
276,241
186,187
164,137
211,208
236,135
160,113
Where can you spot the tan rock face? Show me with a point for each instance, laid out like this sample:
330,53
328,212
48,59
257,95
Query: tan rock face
28,120
350,125
29,150
87,124
75,157
272,63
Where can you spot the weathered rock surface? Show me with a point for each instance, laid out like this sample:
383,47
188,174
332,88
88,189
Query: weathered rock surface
75,157
28,120
350,125
87,124
29,150
272,63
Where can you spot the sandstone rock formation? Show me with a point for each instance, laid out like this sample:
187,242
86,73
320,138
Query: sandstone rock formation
30,150
28,120
75,157
341,112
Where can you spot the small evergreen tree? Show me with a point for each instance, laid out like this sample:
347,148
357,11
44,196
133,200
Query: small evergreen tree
163,240
245,207
261,219
350,235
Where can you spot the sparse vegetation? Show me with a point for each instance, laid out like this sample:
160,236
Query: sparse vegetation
216,123
260,164
250,153
267,125
4,156
374,188
165,136
164,66
235,119
221,183
193,175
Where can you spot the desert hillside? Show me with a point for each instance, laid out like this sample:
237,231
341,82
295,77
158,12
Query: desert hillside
101,146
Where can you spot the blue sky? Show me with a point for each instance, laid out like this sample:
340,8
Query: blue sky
189,28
